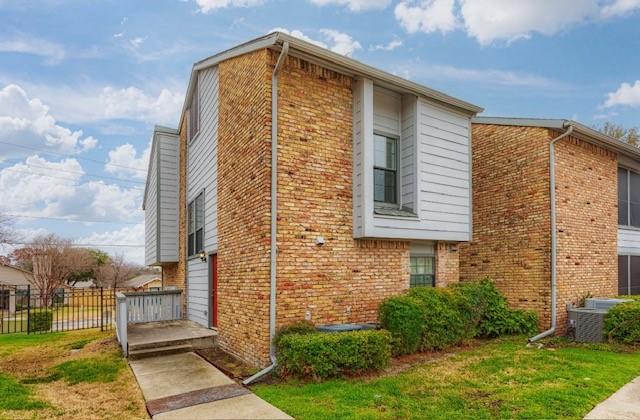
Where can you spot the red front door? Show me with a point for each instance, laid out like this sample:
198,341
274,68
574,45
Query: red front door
214,290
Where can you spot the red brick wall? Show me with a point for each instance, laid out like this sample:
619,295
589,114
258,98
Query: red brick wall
587,221
511,220
343,280
243,206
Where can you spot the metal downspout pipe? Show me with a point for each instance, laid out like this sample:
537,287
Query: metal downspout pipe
554,237
274,214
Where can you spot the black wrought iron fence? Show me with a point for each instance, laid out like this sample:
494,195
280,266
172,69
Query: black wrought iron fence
25,309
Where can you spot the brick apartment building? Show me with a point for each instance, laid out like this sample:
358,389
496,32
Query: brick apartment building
372,191
597,205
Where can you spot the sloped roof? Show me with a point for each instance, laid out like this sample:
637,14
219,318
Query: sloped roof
141,280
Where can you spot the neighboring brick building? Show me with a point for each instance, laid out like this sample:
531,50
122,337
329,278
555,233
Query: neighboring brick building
512,213
373,191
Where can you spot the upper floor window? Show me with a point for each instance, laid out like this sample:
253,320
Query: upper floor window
195,213
385,176
628,198
194,112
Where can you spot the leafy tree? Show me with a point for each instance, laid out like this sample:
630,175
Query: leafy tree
627,135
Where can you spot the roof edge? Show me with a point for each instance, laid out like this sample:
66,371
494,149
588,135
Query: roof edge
156,129
580,130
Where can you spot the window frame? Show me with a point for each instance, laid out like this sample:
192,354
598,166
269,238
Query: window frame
631,286
396,171
193,250
412,283
629,224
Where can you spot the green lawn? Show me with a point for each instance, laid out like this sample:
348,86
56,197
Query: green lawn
497,379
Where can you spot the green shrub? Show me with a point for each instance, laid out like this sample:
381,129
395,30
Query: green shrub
323,355
402,317
40,321
435,318
490,314
444,319
622,323
298,327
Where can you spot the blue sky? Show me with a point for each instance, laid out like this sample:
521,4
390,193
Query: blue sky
82,82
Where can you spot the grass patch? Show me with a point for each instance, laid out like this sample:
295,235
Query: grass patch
89,370
15,396
499,379
77,345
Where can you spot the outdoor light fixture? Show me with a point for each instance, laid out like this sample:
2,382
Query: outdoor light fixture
203,256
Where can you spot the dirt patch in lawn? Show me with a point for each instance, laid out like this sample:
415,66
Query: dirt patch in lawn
76,375
228,364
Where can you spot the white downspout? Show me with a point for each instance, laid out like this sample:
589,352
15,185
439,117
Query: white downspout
554,239
274,214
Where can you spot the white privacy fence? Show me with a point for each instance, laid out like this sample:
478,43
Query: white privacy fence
138,307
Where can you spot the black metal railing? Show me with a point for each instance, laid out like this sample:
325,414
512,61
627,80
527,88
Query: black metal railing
25,309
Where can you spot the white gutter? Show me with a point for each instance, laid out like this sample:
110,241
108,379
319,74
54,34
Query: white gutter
554,239
274,214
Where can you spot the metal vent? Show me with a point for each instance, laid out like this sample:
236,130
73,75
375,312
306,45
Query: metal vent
587,324
603,303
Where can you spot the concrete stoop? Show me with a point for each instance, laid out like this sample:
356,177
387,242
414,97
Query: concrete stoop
184,385
169,337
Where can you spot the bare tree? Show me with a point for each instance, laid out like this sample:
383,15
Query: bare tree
7,234
627,135
54,260
114,272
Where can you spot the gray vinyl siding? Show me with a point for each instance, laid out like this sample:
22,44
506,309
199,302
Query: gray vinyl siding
202,176
198,291
168,155
161,199
628,241
151,213
357,158
408,158
435,167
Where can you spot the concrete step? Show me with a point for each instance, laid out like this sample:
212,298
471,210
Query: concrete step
159,351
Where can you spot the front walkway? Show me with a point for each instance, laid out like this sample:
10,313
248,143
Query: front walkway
185,386
624,404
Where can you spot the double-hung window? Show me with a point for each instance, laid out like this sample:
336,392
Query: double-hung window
385,173
195,213
422,271
628,198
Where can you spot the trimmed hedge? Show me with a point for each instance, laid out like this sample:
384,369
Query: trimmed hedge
40,321
622,323
323,355
436,318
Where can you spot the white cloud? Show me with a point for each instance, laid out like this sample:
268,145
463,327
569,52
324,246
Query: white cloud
207,6
126,155
27,122
489,76
390,46
336,41
355,5
490,21
38,187
620,7
129,235
90,104
496,20
341,42
136,42
626,94
52,53
427,16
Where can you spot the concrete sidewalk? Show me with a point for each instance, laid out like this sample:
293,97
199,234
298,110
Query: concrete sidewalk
624,404
185,386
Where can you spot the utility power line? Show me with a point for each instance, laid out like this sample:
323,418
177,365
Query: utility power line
66,219
78,244
72,156
60,177
82,173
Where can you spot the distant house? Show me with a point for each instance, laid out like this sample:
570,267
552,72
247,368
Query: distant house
13,281
148,282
